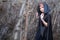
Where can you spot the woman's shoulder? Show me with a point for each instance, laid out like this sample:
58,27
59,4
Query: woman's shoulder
48,15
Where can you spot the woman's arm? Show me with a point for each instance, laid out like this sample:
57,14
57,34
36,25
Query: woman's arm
44,22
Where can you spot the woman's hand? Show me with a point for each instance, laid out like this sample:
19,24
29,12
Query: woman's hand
42,16
44,22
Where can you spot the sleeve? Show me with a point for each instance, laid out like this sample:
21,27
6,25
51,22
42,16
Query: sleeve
50,27
50,21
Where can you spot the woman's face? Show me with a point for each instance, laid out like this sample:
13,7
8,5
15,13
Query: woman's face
41,7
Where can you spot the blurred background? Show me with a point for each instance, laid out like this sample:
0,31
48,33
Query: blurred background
18,20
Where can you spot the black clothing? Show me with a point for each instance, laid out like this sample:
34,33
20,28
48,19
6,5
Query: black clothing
43,32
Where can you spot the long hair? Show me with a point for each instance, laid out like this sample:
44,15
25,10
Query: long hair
38,10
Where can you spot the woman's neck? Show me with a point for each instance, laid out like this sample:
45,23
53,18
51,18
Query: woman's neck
42,13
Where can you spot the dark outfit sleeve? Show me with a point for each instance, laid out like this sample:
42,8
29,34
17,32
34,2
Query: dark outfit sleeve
50,35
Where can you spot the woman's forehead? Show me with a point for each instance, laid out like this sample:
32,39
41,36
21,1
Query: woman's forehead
41,5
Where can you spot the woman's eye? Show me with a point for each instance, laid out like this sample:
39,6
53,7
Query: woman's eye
42,7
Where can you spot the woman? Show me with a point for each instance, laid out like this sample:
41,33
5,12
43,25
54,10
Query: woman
44,30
